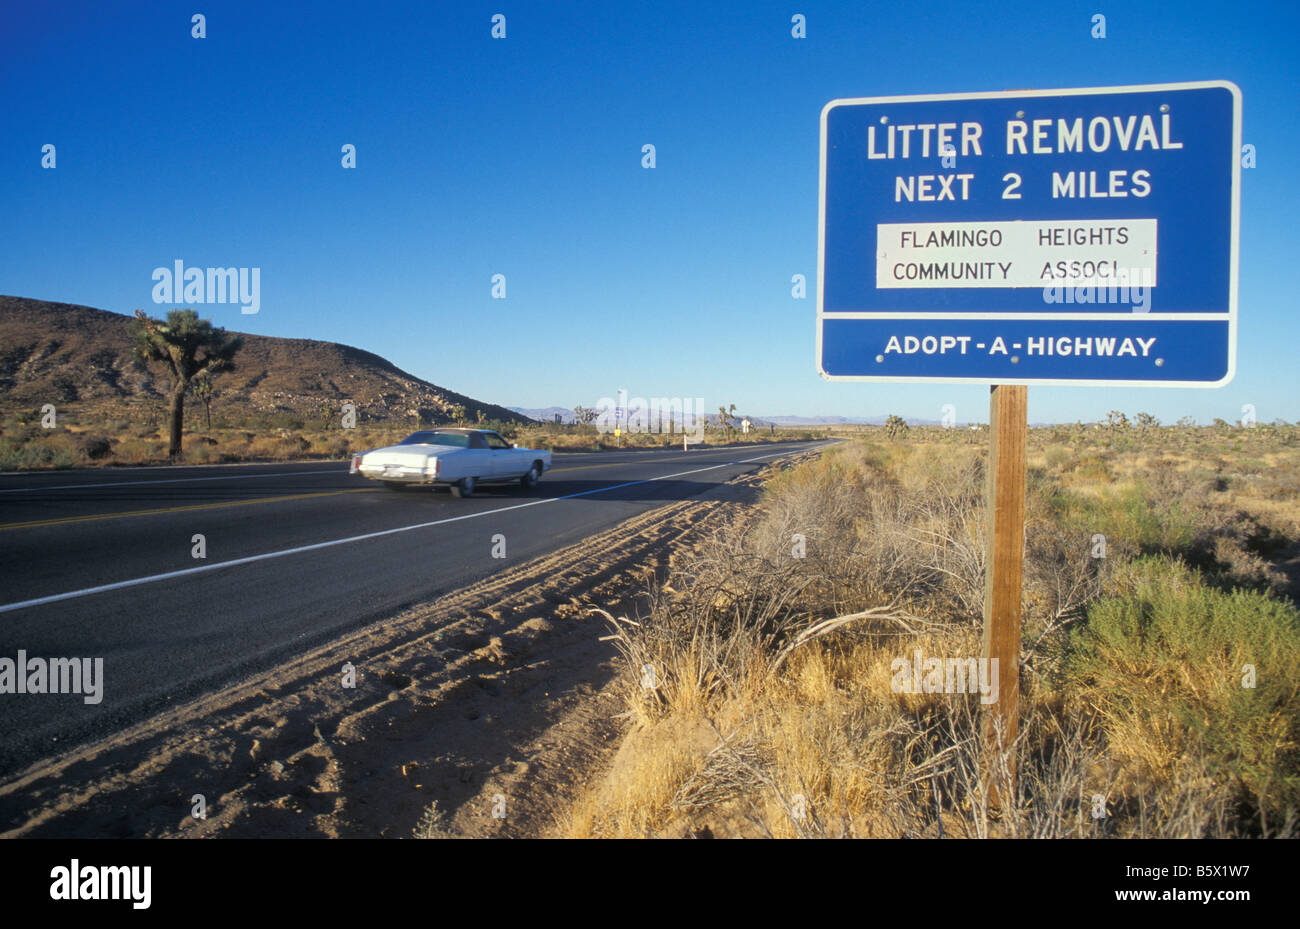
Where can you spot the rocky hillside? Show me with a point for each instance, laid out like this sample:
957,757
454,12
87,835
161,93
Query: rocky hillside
80,357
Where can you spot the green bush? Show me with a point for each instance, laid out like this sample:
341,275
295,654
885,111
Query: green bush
1131,518
52,452
1057,456
1164,661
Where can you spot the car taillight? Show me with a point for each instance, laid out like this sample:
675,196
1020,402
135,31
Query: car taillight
356,464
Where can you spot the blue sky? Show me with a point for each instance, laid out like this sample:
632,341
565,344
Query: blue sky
522,157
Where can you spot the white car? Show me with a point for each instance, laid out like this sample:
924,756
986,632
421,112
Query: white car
457,458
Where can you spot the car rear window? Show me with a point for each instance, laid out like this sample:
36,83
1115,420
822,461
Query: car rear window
454,439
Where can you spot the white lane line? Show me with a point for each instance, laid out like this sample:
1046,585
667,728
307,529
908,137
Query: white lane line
173,480
266,556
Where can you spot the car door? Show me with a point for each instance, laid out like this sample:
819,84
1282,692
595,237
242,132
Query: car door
482,463
504,464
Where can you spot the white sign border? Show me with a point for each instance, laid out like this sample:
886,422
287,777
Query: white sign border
1234,248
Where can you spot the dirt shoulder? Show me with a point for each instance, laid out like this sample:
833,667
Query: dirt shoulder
492,706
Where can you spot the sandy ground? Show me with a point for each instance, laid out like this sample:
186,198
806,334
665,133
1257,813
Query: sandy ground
494,703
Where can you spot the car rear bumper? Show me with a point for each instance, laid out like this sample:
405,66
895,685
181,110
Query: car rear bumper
404,474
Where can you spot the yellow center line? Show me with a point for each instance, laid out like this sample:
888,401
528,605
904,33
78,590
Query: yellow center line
177,509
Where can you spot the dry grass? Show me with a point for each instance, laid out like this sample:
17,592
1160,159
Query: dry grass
759,687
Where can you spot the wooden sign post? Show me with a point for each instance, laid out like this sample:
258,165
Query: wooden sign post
1004,558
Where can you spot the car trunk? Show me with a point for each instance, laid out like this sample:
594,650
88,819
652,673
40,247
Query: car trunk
404,459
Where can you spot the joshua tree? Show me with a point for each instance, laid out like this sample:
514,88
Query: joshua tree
457,413
895,426
585,414
187,346
724,418
202,388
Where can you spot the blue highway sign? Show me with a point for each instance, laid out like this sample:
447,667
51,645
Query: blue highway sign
1082,236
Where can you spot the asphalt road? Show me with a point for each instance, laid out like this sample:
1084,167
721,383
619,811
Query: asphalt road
100,564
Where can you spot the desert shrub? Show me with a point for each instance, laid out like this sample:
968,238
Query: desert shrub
1129,518
267,447
1162,662
338,447
1094,468
47,451
95,447
198,452
1057,456
139,451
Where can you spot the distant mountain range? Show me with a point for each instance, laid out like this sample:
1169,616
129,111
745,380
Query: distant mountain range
547,414
830,420
62,353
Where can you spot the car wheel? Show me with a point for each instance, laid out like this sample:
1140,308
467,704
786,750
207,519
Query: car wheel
529,480
463,488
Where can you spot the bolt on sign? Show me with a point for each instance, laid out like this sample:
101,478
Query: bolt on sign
1080,236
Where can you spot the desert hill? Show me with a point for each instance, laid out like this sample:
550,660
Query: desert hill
73,355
